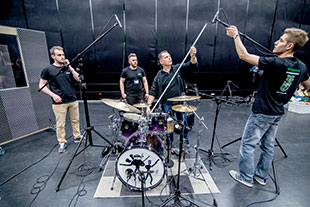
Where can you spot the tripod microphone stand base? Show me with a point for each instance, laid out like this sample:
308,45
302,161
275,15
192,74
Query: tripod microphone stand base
212,154
86,134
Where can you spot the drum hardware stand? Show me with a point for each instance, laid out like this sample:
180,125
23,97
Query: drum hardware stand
177,194
227,87
210,152
197,164
89,128
168,161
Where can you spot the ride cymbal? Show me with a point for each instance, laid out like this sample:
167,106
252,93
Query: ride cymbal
184,108
120,105
184,98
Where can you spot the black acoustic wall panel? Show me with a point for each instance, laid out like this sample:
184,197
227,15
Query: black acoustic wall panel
12,14
141,35
75,21
171,35
200,13
224,48
109,50
43,16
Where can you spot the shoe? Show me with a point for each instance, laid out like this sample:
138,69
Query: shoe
236,176
261,181
62,147
186,143
77,139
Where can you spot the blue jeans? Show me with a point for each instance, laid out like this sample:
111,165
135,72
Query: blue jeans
179,116
263,128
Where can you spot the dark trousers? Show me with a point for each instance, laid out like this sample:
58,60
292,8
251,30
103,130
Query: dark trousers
135,99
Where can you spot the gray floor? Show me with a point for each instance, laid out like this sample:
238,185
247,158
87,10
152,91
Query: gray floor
292,172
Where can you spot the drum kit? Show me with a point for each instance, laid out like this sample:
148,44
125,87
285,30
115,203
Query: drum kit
145,154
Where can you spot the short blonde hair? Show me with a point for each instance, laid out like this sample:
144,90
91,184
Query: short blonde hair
296,36
52,50
132,55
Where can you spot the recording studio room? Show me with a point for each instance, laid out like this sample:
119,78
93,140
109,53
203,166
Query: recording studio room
154,103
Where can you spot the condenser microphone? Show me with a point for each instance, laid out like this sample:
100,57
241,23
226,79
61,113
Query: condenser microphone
215,16
119,23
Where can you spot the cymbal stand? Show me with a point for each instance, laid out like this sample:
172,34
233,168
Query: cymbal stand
210,152
177,193
197,164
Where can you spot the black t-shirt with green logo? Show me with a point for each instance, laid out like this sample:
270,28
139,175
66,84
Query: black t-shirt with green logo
133,83
280,79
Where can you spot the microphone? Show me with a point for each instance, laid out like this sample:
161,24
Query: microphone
119,23
215,16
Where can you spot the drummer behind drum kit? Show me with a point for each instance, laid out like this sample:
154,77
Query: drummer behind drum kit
141,164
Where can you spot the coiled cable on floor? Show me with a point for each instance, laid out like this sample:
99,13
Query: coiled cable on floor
41,182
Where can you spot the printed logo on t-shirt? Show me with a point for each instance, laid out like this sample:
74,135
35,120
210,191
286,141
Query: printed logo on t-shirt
291,73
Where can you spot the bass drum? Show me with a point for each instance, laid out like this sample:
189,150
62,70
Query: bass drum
141,157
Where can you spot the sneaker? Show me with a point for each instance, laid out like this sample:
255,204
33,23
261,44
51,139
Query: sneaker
236,176
62,147
77,139
186,143
261,181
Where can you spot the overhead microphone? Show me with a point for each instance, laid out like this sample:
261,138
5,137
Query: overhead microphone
119,23
215,16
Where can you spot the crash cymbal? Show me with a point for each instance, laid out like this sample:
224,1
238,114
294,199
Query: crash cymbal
120,105
184,108
184,98
142,105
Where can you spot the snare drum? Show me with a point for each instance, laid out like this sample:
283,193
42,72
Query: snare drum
129,124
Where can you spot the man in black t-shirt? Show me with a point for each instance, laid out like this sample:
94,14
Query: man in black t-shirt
176,87
62,92
133,83
281,76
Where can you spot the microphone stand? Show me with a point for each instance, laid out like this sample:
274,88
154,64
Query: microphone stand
89,128
244,35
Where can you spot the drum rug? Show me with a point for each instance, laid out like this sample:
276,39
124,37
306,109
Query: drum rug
200,183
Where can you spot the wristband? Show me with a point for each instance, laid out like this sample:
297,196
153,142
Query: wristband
236,35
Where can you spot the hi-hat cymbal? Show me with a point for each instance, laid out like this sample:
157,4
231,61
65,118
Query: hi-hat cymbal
120,105
141,105
184,98
184,108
